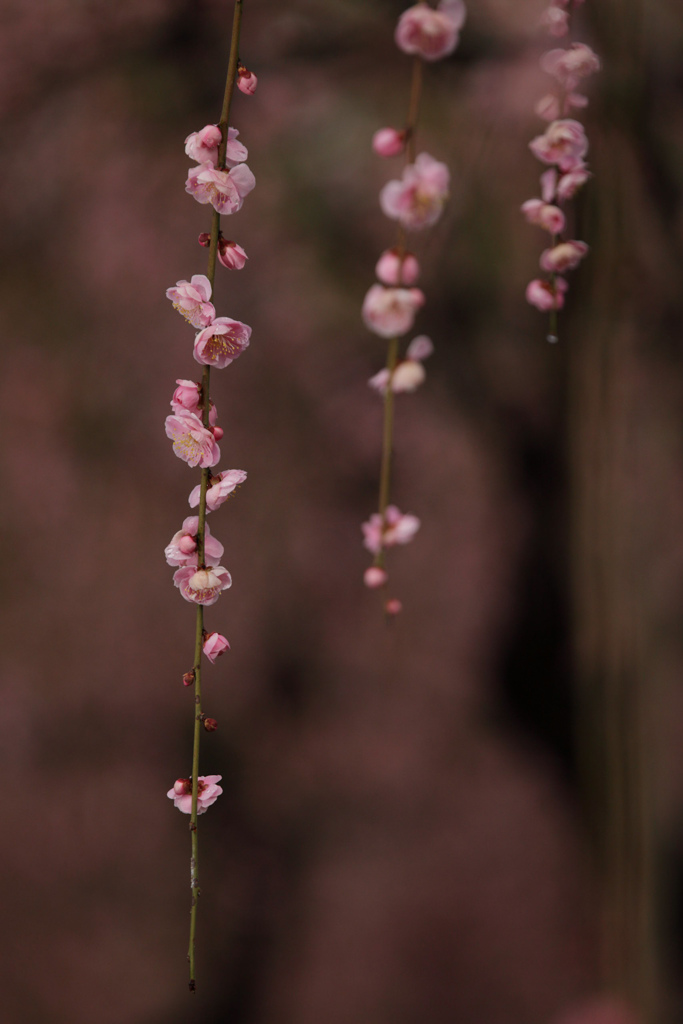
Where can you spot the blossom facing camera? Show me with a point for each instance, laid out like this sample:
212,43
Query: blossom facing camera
395,269
202,586
428,33
246,80
375,577
222,342
214,645
225,190
192,442
191,299
417,199
390,312
564,143
396,529
207,793
544,296
389,142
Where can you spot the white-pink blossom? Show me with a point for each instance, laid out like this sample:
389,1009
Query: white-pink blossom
202,586
544,215
207,793
564,256
202,146
389,141
544,296
182,549
394,268
191,299
417,199
214,645
222,342
192,442
428,33
390,312
563,143
395,529
219,490
225,190
570,66
409,373
570,183
187,398
231,255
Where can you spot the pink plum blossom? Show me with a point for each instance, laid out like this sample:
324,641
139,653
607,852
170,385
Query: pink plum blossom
187,398
564,256
564,143
570,183
191,299
182,549
409,373
192,442
231,255
214,645
225,190
394,268
570,66
556,20
221,487
389,141
375,577
428,33
222,342
544,296
407,376
390,312
396,529
418,198
203,145
543,215
207,793
246,81
202,586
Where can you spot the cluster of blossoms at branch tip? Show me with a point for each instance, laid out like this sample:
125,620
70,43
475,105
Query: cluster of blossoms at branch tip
222,179
415,200
563,148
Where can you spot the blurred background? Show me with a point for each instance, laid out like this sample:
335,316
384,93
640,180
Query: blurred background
475,813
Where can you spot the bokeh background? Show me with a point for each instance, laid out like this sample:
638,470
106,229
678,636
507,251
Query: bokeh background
473,814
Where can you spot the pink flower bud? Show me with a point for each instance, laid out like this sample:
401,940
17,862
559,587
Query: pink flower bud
246,81
187,544
375,577
544,215
407,376
543,296
218,433
388,141
182,786
556,20
203,145
393,269
210,724
214,645
231,255
564,256
188,678
205,239
393,606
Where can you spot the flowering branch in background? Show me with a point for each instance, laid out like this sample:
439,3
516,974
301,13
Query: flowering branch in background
222,179
415,201
563,147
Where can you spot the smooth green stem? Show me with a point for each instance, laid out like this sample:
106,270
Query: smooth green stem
231,77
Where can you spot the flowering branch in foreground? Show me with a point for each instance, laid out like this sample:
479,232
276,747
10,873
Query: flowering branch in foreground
415,201
222,179
562,147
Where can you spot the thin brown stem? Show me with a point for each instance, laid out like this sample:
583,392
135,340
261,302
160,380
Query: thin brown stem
231,77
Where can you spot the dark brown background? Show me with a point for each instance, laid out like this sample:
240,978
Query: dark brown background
400,838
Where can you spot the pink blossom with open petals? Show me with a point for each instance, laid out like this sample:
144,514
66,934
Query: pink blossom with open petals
570,183
207,793
202,146
428,33
202,586
544,296
570,66
214,645
246,81
394,268
192,442
182,549
231,255
390,312
219,490
187,398
191,299
564,143
396,529
388,141
544,215
222,342
417,199
225,190
564,256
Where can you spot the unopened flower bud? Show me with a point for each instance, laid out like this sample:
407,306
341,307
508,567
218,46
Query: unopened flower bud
205,239
181,787
389,141
218,432
210,724
246,80
231,255
407,376
214,644
188,678
392,268
187,544
393,607
375,577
